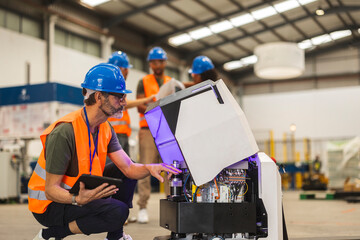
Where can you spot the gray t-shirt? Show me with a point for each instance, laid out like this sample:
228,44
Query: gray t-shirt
60,150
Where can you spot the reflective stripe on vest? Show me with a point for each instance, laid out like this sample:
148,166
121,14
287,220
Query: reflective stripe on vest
40,171
121,126
115,123
151,87
37,198
40,195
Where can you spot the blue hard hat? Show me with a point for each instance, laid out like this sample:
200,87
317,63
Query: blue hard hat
105,77
120,59
157,53
201,64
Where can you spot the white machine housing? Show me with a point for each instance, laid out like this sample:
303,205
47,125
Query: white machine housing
271,194
204,130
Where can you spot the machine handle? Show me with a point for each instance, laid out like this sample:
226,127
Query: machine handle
215,90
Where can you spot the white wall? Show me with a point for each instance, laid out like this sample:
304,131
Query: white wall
70,66
326,113
16,50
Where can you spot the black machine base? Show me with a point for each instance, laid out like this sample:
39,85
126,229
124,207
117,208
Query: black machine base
187,217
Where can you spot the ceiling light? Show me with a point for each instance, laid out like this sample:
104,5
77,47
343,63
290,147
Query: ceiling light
94,3
304,2
292,127
340,34
200,33
279,60
286,5
239,20
180,39
305,44
263,13
242,20
321,39
233,65
320,11
249,60
221,26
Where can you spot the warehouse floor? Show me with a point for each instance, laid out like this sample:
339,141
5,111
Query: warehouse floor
306,219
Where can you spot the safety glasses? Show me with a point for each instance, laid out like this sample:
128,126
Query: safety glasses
119,96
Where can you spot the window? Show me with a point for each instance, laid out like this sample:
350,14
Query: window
93,48
19,23
79,43
60,37
2,18
31,27
76,43
13,21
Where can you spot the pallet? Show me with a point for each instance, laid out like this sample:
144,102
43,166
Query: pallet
317,195
352,199
341,194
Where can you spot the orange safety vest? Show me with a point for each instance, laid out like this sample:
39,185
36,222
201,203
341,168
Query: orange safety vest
121,125
151,87
36,188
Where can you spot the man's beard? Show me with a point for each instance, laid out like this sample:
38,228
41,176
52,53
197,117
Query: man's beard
118,115
158,72
112,110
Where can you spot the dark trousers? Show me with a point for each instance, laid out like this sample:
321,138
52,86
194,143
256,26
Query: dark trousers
101,215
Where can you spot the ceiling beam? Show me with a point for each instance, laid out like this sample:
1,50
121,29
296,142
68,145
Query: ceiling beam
180,30
350,27
122,17
194,53
262,23
342,8
353,8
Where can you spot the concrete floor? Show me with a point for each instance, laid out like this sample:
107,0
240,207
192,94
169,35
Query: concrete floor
306,219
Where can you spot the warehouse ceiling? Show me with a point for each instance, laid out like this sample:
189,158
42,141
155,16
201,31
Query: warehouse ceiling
227,31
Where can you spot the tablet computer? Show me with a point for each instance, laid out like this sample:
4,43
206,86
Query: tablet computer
93,181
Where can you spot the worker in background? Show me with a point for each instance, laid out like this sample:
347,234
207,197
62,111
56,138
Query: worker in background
203,69
122,126
78,144
147,86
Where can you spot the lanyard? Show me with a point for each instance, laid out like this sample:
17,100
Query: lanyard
96,140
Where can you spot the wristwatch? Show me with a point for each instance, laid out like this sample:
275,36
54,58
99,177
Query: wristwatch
73,202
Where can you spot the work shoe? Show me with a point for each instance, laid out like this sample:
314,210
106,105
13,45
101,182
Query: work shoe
143,216
126,237
40,237
132,219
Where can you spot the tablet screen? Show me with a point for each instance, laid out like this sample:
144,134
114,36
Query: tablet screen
93,181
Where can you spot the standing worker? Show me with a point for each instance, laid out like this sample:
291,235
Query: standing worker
78,144
149,86
203,69
122,126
